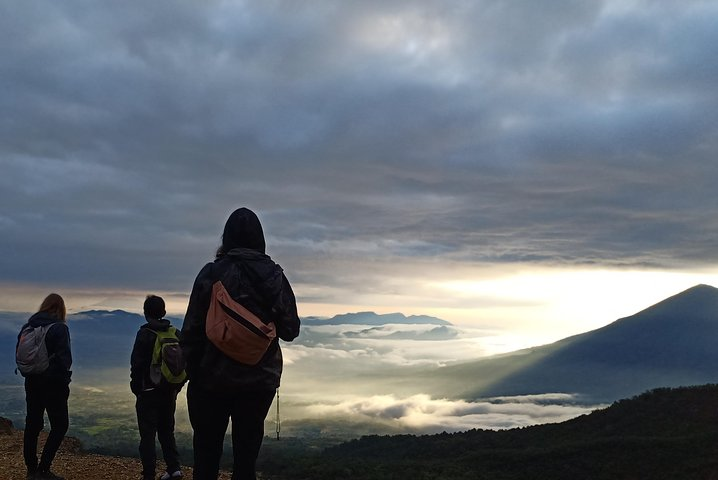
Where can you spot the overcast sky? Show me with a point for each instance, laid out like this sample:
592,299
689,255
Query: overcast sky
402,155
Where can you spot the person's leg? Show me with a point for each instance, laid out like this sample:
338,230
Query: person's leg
34,423
146,408
166,430
209,416
248,413
56,407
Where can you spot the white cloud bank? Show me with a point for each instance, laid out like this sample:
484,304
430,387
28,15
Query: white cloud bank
431,415
400,345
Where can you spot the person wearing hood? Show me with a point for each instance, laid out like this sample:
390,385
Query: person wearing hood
48,391
156,402
221,387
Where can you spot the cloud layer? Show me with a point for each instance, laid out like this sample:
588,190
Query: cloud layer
429,415
369,379
410,138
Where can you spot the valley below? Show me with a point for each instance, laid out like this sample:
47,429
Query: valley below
403,379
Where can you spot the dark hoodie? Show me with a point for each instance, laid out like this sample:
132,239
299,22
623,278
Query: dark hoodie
243,230
254,280
141,357
57,341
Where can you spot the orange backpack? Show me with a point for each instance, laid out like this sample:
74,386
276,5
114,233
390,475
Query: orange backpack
234,330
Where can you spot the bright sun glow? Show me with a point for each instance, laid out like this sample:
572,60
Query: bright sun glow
572,301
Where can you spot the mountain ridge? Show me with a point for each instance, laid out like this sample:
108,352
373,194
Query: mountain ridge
668,344
665,433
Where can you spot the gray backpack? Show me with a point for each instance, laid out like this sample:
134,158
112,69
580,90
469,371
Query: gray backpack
31,353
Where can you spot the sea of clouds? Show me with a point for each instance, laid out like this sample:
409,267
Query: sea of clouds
354,373
344,375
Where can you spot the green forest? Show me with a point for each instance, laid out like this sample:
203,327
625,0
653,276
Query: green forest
668,433
665,433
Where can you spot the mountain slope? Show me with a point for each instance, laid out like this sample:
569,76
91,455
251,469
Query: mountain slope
672,343
661,434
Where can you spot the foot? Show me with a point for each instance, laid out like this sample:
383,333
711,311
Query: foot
170,476
47,475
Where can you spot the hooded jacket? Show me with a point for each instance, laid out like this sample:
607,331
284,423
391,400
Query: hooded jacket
141,356
253,279
57,341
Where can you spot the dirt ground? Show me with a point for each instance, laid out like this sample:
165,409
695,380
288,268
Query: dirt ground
73,464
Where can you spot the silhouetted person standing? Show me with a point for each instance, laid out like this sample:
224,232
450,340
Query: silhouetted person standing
156,399
221,386
49,390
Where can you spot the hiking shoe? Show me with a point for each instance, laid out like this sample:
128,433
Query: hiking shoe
169,476
47,475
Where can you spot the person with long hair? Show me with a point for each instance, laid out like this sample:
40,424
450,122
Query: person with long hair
221,386
48,391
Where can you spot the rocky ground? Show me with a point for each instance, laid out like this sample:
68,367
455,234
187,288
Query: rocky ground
71,462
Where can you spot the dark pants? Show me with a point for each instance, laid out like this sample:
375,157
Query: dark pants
156,416
40,397
209,414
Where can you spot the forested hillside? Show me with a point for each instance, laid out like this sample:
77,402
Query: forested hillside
662,434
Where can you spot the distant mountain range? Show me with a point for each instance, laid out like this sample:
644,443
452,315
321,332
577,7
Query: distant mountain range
371,318
104,339
100,338
672,343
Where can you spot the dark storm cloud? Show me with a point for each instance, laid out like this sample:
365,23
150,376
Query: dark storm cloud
547,132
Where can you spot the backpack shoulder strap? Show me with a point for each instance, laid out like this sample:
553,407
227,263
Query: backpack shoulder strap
171,332
156,348
43,329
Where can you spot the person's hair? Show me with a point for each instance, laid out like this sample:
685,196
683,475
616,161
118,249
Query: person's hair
242,230
154,307
55,306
